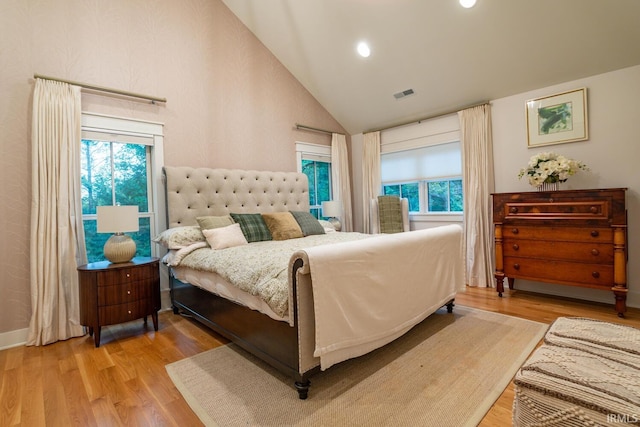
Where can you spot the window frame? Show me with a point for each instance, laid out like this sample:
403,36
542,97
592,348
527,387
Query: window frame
309,151
142,132
431,132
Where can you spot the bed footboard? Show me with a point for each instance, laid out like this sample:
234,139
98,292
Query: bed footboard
273,341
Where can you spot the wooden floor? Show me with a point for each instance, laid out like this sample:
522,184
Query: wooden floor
124,381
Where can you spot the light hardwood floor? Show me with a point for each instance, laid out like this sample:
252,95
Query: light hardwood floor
124,381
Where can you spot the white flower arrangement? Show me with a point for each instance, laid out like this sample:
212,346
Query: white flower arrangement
550,168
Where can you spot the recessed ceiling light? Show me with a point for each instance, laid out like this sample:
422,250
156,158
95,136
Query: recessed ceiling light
467,3
363,49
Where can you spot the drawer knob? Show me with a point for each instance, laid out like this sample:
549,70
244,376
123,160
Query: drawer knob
515,247
129,311
515,231
516,266
593,209
595,252
595,233
128,274
513,209
595,274
128,292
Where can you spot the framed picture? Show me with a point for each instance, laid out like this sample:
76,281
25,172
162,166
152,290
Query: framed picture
557,119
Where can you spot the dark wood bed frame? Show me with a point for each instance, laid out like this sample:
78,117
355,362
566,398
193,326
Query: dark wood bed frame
273,341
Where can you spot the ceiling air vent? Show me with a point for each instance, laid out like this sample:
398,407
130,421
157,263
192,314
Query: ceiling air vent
404,93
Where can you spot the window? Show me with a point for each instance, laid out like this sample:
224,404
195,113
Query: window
315,162
430,177
117,168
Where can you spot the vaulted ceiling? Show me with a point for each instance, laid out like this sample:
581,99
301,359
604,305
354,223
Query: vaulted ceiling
451,57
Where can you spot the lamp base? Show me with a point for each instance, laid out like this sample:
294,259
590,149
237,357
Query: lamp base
336,223
119,248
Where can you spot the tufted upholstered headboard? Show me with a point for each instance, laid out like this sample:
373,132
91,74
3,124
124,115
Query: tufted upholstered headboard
193,192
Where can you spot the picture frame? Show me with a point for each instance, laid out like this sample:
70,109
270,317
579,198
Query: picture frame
557,119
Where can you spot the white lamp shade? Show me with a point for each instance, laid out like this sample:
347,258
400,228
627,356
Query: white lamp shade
117,219
332,208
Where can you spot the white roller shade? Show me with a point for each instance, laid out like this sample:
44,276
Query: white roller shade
436,161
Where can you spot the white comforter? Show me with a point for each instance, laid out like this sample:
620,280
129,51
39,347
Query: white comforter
358,309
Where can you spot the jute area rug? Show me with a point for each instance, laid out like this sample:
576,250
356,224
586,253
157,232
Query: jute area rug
446,371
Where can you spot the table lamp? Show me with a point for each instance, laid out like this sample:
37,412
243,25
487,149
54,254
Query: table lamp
118,220
332,209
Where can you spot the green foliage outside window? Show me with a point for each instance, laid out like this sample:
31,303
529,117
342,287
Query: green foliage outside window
114,174
445,196
442,195
410,191
319,176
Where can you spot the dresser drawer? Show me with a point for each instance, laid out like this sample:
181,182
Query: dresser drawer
594,253
575,234
119,313
573,209
126,275
127,292
593,275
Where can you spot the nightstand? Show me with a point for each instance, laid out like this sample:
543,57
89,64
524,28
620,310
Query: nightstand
117,293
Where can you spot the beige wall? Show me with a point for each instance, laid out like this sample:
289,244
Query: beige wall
230,102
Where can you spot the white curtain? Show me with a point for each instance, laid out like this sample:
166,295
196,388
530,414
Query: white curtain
371,181
478,184
340,181
57,236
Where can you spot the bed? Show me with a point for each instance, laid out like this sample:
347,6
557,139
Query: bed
340,295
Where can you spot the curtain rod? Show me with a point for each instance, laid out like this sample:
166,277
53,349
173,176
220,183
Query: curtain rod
446,113
303,127
153,99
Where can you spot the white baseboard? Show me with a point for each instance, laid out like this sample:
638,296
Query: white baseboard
13,338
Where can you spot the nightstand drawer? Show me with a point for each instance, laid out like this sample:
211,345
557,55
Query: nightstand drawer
126,292
124,312
127,275
575,234
593,275
595,253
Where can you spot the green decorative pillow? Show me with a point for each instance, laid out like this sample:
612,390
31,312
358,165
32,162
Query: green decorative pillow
211,222
253,227
308,223
282,225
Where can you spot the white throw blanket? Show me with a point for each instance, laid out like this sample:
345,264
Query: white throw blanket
358,309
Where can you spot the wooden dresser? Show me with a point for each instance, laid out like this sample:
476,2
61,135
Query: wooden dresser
573,237
117,293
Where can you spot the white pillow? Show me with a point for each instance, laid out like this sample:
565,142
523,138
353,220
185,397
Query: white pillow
225,237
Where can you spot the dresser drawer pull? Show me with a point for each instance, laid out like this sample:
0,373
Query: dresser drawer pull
515,247
594,209
595,252
129,311
128,291
515,231
595,233
513,209
595,274
516,266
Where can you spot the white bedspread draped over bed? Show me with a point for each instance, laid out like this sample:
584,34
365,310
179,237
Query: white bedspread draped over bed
356,309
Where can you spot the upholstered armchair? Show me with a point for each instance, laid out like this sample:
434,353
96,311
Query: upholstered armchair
389,214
